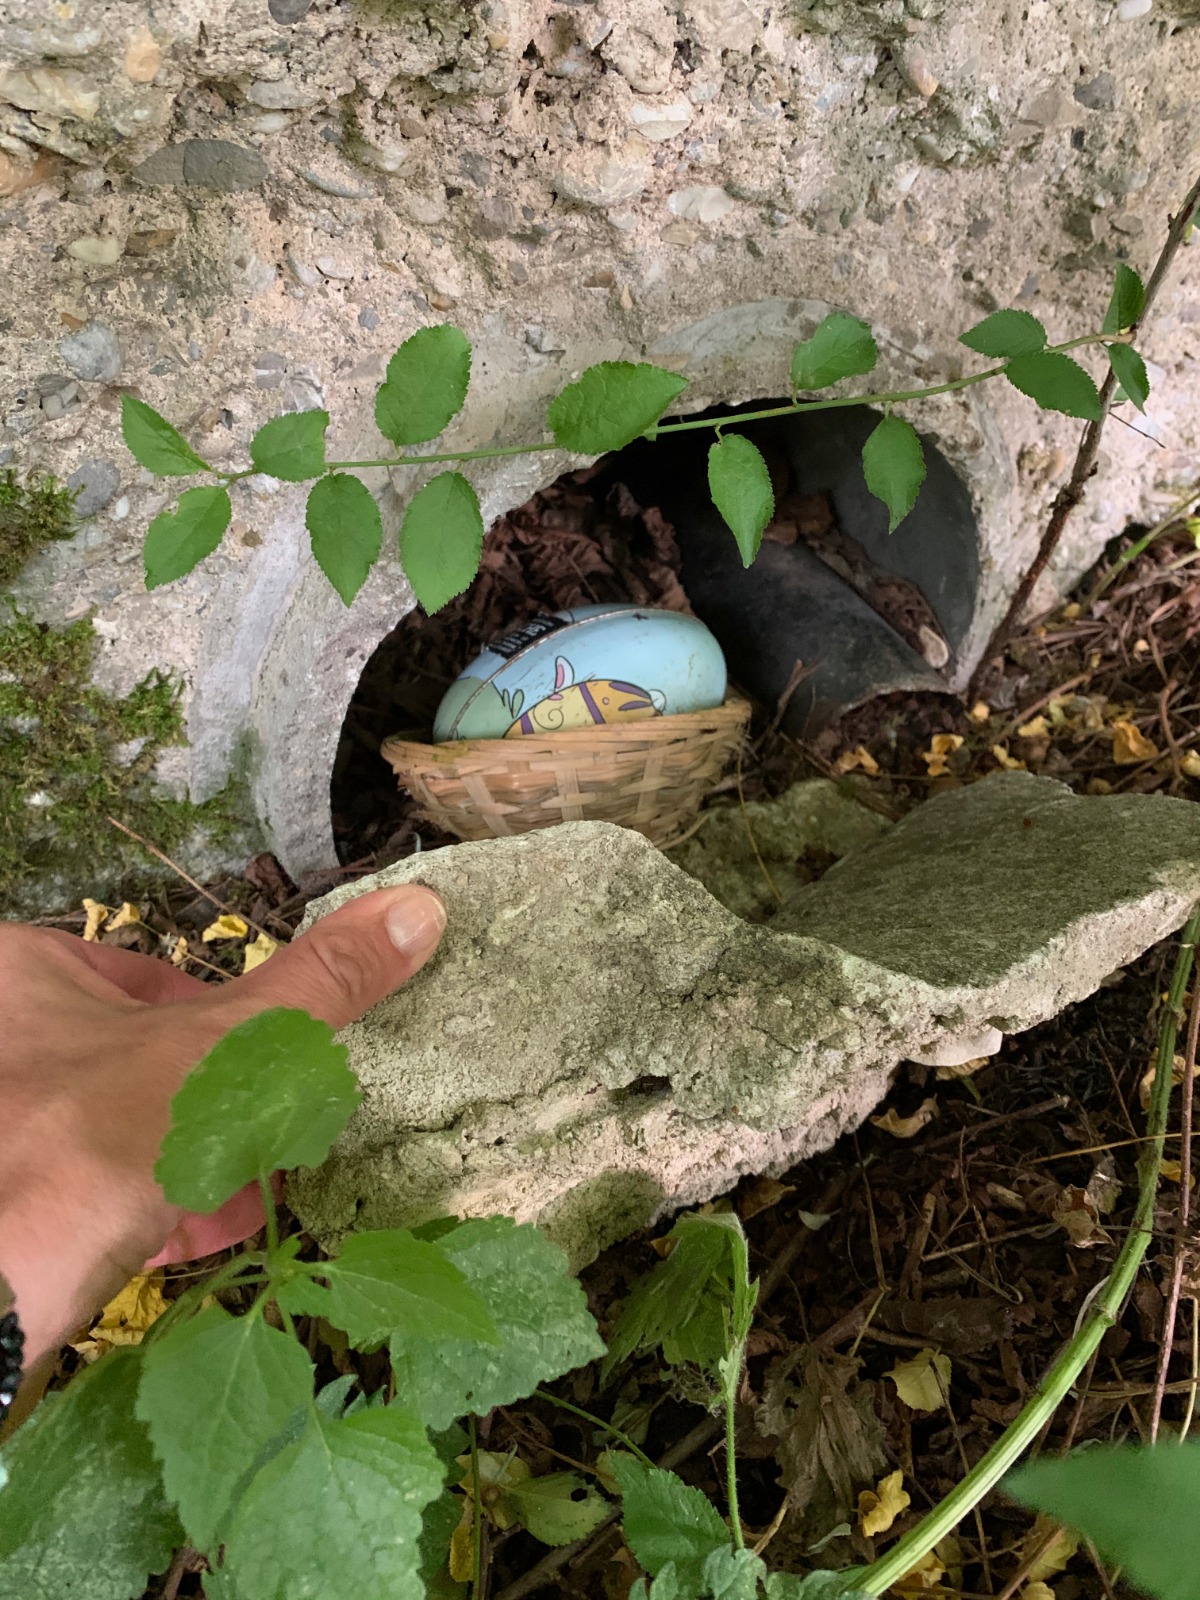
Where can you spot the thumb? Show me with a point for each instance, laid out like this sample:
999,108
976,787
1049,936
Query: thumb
348,961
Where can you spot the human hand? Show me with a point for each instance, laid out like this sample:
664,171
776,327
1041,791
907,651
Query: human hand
94,1042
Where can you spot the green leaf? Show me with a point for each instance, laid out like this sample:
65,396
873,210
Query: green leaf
1131,373
1006,333
155,443
740,485
216,1391
733,1574
539,1311
1126,302
666,1520
842,347
346,530
894,467
385,1281
1056,382
684,1303
1138,1506
177,541
442,1516
291,447
274,1092
819,1585
611,405
441,539
84,1512
337,1512
425,386
559,1507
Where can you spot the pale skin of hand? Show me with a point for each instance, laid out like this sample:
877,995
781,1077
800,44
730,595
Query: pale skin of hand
94,1042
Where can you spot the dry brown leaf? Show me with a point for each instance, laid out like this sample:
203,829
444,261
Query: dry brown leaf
962,1069
859,759
1130,744
462,1550
1146,1087
97,916
227,926
1009,763
907,1127
1062,1546
878,1508
924,1382
941,746
258,951
762,1194
1077,1215
1173,1172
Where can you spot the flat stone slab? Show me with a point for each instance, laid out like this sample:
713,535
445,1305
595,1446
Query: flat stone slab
600,1042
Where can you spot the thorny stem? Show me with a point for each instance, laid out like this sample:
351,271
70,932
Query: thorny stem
598,1422
1038,1412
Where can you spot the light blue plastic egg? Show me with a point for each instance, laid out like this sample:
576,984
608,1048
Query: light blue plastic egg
578,669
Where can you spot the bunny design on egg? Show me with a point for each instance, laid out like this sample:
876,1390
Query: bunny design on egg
587,704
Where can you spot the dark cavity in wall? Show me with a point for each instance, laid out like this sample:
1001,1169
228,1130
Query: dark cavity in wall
833,612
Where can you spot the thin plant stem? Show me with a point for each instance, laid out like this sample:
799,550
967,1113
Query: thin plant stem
1127,557
234,1271
476,1513
736,1355
598,1422
1056,1385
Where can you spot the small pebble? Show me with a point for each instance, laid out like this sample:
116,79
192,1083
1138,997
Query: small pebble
1130,10
57,394
121,509
143,57
288,11
96,482
95,251
1098,95
308,276
93,353
368,318
331,267
194,351
269,368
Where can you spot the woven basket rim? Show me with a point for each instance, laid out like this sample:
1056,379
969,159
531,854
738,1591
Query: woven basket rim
643,731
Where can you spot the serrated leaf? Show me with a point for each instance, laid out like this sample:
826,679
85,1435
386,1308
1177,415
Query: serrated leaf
337,1512
425,386
894,467
1131,373
740,485
1126,301
84,1511
539,1311
291,447
1056,382
275,1092
155,443
1006,333
819,1585
386,1280
214,1393
842,347
559,1507
346,530
733,1574
666,1520
610,405
177,541
1137,1505
441,539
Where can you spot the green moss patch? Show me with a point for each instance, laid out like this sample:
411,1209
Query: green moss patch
71,757
32,514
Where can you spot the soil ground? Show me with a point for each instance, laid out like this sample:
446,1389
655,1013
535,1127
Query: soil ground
978,1229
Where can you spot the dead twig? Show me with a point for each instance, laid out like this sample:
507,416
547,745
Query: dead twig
178,870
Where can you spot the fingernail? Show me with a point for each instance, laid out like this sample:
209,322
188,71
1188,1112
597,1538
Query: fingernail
415,920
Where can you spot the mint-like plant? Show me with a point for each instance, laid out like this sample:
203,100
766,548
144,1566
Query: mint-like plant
606,408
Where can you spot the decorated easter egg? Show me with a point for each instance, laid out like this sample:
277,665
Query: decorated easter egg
581,668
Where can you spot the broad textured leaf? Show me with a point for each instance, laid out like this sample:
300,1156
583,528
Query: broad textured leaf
1126,301
386,1280
1056,382
740,485
1131,373
539,1311
894,467
291,447
665,1519
337,1512
274,1092
214,1393
611,405
84,1511
842,347
733,1574
683,1303
441,538
819,1585
1137,1505
1006,333
425,386
559,1507
155,443
177,541
346,531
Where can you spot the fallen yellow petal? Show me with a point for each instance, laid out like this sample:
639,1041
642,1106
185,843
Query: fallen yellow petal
1191,763
1009,763
940,746
858,759
227,926
924,1382
980,711
878,1508
258,951
124,918
1130,744
179,953
1062,1546
1035,728
927,1574
97,916
906,1127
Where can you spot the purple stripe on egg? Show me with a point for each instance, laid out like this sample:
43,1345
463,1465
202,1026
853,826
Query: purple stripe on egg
634,705
596,714
627,688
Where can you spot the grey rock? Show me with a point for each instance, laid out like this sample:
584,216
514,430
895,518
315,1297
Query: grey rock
206,163
288,11
96,483
269,368
1099,94
338,271
598,1042
304,274
93,353
57,394
368,318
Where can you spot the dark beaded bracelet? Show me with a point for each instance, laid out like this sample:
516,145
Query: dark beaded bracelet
12,1350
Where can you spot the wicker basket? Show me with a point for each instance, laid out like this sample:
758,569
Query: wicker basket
650,775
